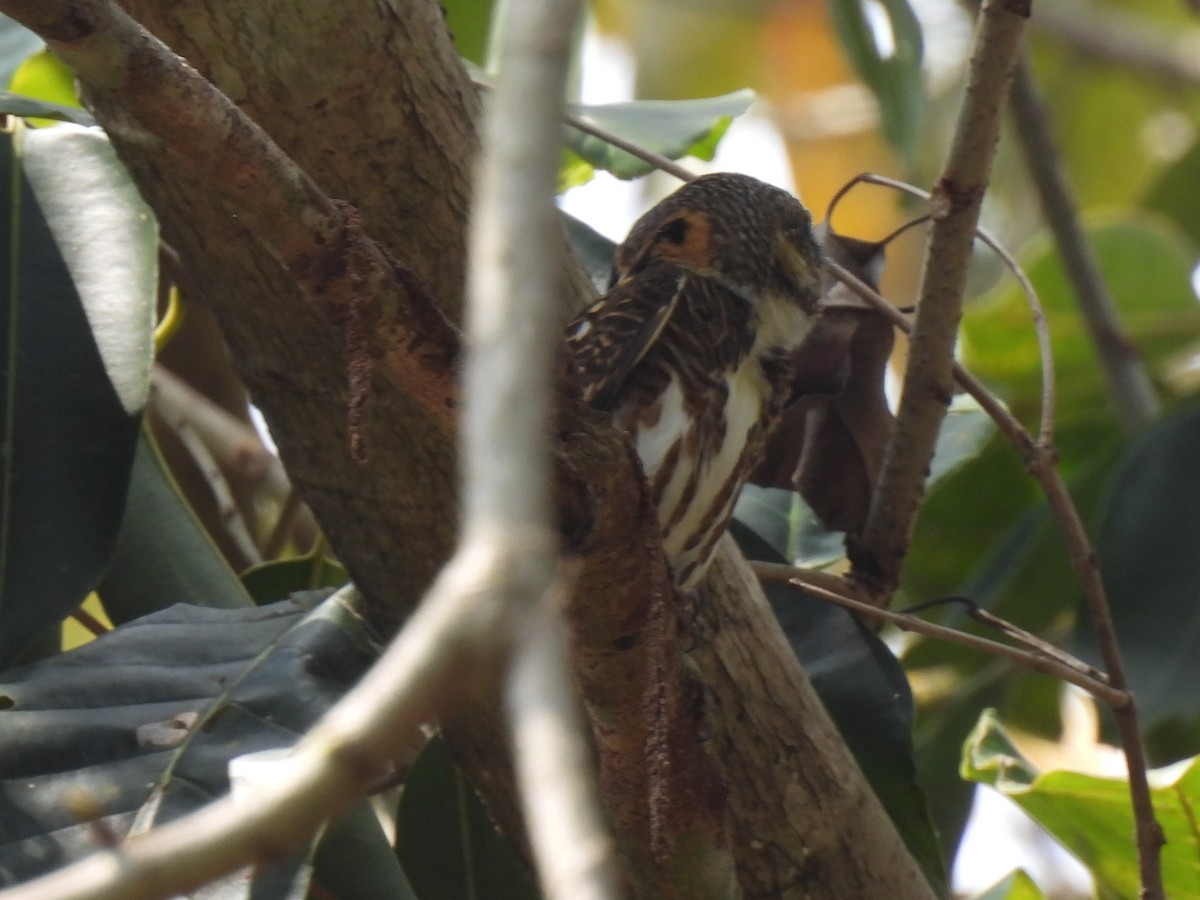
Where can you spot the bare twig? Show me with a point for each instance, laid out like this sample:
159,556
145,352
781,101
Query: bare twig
235,445
649,157
1040,462
878,553
1048,660
311,236
1040,326
1129,384
1112,34
230,517
513,286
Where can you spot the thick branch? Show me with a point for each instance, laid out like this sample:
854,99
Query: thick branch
514,289
879,551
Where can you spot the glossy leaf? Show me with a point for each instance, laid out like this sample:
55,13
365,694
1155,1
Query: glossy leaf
889,63
672,128
445,840
1091,816
167,700
71,433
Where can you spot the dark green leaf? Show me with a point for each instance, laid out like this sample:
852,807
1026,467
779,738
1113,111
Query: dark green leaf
272,581
672,128
163,554
891,69
105,723
70,433
447,844
1147,547
1175,195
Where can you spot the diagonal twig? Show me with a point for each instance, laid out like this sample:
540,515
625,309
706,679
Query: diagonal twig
1040,462
1039,656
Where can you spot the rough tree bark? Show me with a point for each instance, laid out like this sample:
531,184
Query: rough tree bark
370,99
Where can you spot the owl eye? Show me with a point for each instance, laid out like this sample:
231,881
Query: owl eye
674,232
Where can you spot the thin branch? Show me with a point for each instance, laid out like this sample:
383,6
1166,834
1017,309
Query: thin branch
313,237
1040,461
512,326
1041,326
1111,34
1129,384
236,446
879,551
1054,663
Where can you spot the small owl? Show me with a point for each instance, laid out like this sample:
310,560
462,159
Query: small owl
712,290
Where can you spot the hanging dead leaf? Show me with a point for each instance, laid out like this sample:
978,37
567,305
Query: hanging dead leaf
830,443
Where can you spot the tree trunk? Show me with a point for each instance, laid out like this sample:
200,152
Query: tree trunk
371,100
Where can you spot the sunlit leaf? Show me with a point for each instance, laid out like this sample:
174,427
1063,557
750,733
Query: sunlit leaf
671,128
1092,816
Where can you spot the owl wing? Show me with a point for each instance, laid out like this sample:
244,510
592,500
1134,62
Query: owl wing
609,338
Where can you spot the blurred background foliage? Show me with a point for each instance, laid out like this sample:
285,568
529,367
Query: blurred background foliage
848,87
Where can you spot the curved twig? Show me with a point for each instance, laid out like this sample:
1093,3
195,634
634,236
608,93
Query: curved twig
1037,311
1040,462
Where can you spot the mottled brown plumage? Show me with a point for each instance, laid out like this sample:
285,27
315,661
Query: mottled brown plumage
711,290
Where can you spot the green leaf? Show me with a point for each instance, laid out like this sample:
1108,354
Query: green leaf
107,722
108,238
163,555
1147,547
671,128
446,843
70,413
470,24
1147,265
1091,816
1174,195
272,581
891,68
1016,885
